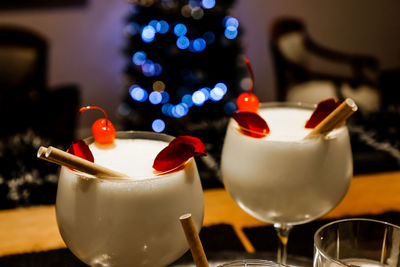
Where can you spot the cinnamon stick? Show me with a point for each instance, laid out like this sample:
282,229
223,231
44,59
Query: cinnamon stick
335,119
193,239
63,158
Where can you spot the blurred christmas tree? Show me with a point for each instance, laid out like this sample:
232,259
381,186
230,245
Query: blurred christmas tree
185,71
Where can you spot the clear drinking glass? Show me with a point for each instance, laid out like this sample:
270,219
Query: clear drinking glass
283,179
134,222
357,242
250,263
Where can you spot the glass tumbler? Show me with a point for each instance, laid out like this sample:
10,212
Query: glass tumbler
357,242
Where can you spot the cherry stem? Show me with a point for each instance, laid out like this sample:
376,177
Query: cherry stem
83,109
251,73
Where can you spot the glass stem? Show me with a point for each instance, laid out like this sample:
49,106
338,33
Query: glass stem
283,231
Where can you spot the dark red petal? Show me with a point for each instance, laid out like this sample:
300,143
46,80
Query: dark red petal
251,124
177,152
323,109
194,142
81,149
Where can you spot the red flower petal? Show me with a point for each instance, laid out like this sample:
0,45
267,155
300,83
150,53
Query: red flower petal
251,124
177,152
323,109
81,149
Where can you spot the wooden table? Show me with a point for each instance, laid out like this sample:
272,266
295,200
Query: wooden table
35,229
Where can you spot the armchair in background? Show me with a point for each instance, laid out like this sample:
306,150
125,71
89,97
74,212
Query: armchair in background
32,114
308,71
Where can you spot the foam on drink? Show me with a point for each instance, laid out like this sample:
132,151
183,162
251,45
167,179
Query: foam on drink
133,157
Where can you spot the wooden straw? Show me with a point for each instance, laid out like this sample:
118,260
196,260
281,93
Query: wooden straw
334,119
193,239
63,158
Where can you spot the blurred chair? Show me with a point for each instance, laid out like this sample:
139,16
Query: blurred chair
25,99
32,114
309,72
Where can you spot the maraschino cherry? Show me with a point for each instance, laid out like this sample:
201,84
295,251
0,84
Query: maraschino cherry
247,101
102,129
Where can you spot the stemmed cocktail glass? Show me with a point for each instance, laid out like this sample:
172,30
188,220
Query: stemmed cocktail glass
284,179
113,222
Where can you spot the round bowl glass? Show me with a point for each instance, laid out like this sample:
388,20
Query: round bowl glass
107,222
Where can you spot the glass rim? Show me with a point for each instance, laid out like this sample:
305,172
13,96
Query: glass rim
337,222
250,261
156,175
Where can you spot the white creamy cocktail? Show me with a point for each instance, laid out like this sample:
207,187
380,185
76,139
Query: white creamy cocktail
133,222
281,178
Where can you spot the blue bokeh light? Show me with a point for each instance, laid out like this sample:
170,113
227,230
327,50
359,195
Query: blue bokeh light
157,69
231,21
164,27
222,86
216,94
199,44
148,68
158,125
138,93
139,58
209,37
182,42
156,25
198,98
148,34
229,108
206,92
180,29
207,4
230,32
187,99
155,97
180,110
165,97
166,109
132,28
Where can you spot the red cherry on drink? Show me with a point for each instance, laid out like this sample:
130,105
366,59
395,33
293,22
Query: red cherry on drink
102,129
247,101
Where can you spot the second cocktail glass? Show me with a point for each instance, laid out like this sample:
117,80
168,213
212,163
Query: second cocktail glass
282,178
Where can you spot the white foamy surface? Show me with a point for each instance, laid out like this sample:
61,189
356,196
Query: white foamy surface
133,157
286,123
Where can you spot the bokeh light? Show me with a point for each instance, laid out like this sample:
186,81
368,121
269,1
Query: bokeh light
139,58
138,93
230,107
199,44
180,29
155,97
208,4
182,42
159,86
164,27
230,32
187,99
209,37
198,98
158,125
148,34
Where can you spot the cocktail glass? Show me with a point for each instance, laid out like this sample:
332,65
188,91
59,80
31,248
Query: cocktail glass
250,263
357,242
111,222
286,180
